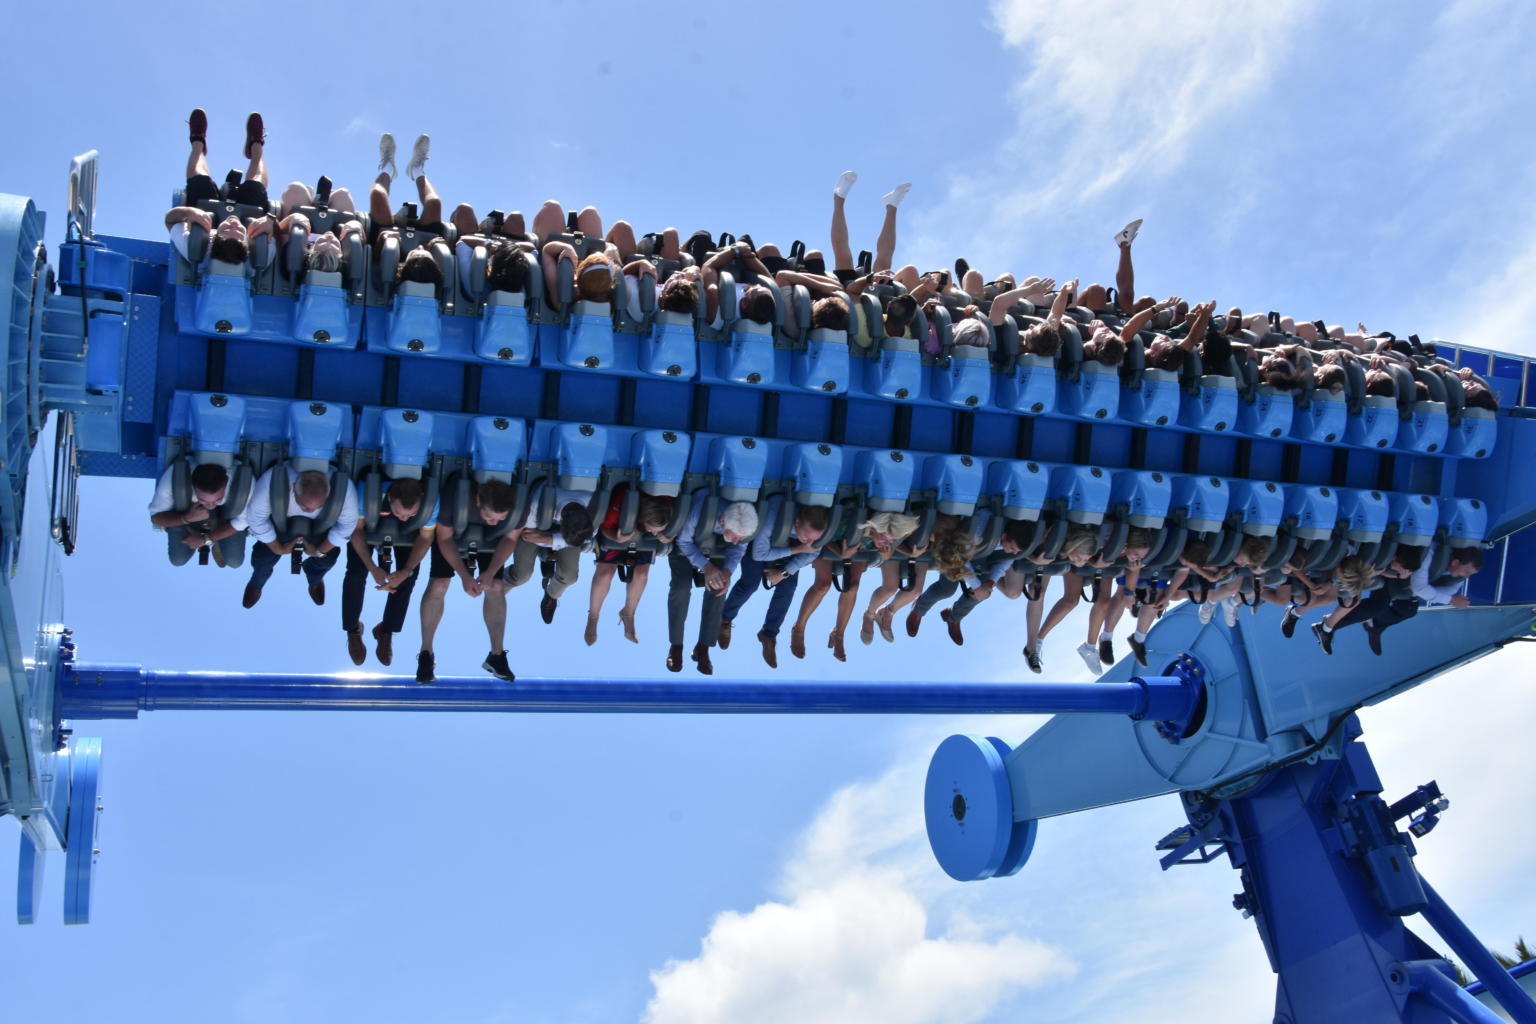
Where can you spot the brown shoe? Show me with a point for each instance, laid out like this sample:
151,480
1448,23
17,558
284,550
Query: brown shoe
317,592
547,606
797,642
954,627
770,649
835,642
356,649
255,133
914,623
384,641
701,659
251,596
675,658
725,634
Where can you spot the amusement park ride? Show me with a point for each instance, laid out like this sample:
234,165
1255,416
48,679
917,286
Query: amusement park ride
145,360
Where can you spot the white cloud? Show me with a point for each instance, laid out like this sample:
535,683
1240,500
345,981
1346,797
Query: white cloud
867,930
1106,90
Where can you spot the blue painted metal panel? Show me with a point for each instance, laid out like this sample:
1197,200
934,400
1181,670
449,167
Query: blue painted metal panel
82,852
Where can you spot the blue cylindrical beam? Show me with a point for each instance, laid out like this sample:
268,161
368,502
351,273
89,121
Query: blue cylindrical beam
121,691
1476,958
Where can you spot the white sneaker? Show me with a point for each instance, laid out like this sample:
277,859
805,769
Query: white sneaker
1207,610
897,194
844,184
1090,655
387,154
1034,656
418,157
1127,234
1229,611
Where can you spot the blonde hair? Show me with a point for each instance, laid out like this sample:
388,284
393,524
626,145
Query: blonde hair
952,549
896,525
1353,575
1081,540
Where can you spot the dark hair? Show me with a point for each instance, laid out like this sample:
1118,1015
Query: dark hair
575,524
229,250
1110,350
1330,376
899,313
1198,551
655,510
407,491
495,496
1380,382
830,313
312,484
1277,372
679,295
815,516
209,478
1409,556
507,271
1138,537
1042,339
1165,354
1480,396
421,268
1019,530
1470,555
759,307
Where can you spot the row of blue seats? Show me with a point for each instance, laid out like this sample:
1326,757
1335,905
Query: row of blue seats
378,443
522,329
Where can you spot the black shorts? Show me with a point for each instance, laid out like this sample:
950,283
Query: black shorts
847,277
441,570
200,187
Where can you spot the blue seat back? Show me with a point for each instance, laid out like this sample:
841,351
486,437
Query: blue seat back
671,348
414,321
1094,393
1365,514
1022,487
660,458
1474,435
739,464
223,305
1082,491
1313,510
1464,520
1142,497
321,315
887,477
1416,516
956,481
814,472
1204,501
1269,414
503,332
1373,423
1322,419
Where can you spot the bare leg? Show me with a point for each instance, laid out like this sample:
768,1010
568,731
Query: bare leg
431,205
622,235
1098,614
637,581
257,171
379,210
495,598
890,585
341,200
602,580
907,277
973,284
885,243
197,160
1064,605
550,220
589,222
552,254
768,249
815,592
849,598
432,611
464,220
906,597
1095,297
297,194
1125,278
842,256
1032,614
671,246
513,224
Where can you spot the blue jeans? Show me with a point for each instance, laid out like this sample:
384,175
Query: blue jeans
264,560
748,583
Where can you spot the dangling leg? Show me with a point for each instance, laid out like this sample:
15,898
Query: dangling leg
431,205
550,220
622,236
464,220
602,580
638,577
590,223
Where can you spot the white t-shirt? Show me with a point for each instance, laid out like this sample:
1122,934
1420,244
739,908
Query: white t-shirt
258,514
164,499
563,497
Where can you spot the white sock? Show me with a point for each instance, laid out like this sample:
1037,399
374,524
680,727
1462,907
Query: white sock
844,184
897,194
1105,635
1139,636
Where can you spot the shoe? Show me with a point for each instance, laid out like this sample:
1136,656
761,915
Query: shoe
250,597
1324,637
317,592
701,659
255,133
387,154
425,664
384,645
590,636
1107,651
725,634
867,630
770,649
883,620
1288,622
1229,612
628,622
835,641
960,268
1128,233
197,128
1373,637
356,649
675,658
1138,648
797,642
844,183
418,162
547,608
1033,657
1207,612
496,664
1090,655
914,622
897,194
954,627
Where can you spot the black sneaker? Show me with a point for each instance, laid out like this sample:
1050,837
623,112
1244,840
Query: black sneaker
1288,624
547,607
425,664
1033,658
1107,652
1138,648
1373,637
1324,637
496,664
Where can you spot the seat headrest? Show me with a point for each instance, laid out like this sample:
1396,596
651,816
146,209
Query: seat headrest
223,269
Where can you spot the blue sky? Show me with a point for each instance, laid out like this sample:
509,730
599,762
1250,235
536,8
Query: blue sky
1352,162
